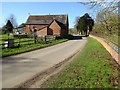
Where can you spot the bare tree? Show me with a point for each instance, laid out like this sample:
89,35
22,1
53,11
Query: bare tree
76,22
77,19
13,20
99,5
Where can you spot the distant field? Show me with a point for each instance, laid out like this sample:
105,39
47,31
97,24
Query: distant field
92,68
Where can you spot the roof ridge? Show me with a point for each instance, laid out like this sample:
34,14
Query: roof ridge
50,15
46,19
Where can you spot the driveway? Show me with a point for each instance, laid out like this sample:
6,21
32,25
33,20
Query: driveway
19,68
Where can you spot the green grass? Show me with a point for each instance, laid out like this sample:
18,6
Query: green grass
23,41
25,48
4,36
92,68
26,44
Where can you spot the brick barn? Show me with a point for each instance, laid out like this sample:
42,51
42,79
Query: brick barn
56,25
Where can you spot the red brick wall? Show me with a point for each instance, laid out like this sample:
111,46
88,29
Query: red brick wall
30,27
56,29
42,32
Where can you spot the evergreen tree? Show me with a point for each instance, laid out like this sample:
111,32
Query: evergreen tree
85,22
9,27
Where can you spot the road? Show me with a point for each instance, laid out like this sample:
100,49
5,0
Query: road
19,68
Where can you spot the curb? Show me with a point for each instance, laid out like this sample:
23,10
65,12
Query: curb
113,53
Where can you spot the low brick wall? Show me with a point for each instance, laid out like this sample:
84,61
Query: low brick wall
113,53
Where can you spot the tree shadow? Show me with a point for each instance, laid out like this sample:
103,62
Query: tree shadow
12,59
78,37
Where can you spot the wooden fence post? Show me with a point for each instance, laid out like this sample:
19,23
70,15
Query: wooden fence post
45,38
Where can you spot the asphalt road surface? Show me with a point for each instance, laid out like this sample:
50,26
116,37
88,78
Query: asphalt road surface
19,68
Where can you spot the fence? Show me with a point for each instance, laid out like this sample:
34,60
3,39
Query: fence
17,42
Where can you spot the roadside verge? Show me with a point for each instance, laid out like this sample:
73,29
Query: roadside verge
113,53
94,67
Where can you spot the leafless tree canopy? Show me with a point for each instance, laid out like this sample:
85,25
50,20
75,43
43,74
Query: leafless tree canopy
99,5
76,21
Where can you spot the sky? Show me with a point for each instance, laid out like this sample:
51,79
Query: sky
22,10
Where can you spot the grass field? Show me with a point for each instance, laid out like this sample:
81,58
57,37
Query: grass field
92,68
25,48
5,37
26,44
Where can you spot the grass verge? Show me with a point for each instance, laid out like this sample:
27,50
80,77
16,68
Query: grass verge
92,68
26,48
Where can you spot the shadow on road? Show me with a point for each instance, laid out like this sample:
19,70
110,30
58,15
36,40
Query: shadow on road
12,60
77,37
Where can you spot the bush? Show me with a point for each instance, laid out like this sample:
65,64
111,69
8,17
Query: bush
21,36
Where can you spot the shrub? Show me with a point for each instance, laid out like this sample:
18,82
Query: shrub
21,36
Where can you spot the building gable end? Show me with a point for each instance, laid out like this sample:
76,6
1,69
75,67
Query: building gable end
55,23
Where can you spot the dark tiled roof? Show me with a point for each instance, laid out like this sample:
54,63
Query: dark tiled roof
46,19
39,21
